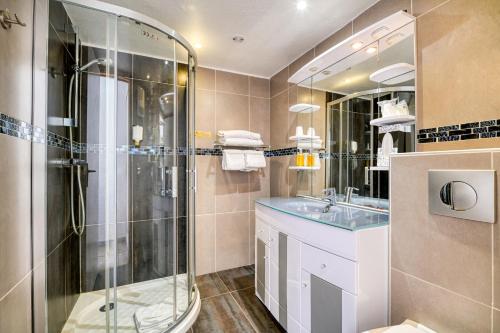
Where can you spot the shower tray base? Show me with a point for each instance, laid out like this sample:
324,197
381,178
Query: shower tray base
87,318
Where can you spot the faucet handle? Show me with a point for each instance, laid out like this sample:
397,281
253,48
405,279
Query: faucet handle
330,191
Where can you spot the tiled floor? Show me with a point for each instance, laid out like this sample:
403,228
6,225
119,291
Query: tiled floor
229,304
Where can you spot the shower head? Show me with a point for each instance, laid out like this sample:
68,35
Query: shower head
98,61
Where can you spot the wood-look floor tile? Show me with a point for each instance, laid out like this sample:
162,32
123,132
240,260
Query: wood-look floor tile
221,314
210,285
238,278
256,311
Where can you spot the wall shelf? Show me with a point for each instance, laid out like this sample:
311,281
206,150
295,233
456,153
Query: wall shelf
303,168
379,168
304,108
223,146
393,120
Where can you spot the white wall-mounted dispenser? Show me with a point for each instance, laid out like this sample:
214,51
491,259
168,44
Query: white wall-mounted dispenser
137,135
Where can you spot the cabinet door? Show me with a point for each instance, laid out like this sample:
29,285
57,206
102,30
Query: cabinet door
260,267
293,283
326,308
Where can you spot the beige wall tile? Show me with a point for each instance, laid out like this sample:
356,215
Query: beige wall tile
456,145
496,321
16,64
259,184
205,117
260,87
334,39
206,167
422,6
434,307
39,300
379,11
205,244
279,82
279,121
231,83
232,191
15,211
435,248
279,176
300,62
454,45
15,309
260,117
251,238
39,206
496,237
231,111
232,241
205,78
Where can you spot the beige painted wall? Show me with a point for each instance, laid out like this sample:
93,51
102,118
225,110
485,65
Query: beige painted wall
445,272
225,223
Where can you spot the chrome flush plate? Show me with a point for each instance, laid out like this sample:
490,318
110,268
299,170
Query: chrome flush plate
464,194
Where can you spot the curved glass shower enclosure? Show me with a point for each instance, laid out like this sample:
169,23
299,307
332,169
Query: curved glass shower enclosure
120,174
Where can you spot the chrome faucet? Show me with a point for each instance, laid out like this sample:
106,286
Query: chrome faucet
331,197
348,193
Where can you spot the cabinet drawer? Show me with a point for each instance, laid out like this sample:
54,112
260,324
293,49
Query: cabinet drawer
262,231
334,269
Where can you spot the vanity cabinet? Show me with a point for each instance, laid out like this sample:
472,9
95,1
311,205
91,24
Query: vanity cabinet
318,278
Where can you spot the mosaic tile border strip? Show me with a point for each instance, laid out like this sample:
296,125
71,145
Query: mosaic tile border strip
20,129
467,131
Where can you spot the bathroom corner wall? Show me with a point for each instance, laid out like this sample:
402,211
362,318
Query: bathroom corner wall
285,182
445,272
16,248
458,64
458,73
225,222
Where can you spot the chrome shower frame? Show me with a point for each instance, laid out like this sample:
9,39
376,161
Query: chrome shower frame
186,319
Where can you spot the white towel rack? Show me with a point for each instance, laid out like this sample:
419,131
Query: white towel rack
223,146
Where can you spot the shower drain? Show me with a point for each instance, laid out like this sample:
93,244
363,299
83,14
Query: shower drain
103,308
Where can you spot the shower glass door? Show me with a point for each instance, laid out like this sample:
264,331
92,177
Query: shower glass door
132,96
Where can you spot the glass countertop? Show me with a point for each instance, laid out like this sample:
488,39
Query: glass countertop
349,218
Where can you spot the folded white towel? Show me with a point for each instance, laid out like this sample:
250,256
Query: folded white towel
233,159
240,142
153,318
254,159
239,134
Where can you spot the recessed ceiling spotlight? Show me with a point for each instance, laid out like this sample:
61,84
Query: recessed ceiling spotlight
238,39
357,45
326,72
371,50
301,5
313,69
197,45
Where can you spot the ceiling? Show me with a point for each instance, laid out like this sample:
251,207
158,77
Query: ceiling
275,31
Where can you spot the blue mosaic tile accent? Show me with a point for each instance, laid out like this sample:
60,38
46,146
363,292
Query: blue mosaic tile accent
20,129
467,131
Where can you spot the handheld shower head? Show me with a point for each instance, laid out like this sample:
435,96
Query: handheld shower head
98,61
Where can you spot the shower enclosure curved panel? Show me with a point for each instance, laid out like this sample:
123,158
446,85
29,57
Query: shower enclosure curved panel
130,167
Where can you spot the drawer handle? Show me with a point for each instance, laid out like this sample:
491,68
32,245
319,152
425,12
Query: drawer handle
304,284
323,266
271,240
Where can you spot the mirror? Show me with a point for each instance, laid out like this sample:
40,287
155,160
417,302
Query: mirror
355,113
